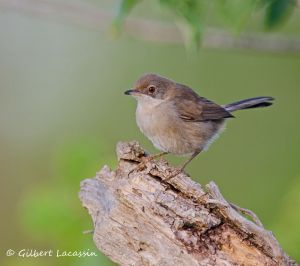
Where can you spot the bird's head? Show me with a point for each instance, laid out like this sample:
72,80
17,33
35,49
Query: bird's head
150,86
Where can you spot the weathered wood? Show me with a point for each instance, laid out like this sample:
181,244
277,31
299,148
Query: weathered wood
142,219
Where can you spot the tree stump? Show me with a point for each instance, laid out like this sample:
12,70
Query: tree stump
141,218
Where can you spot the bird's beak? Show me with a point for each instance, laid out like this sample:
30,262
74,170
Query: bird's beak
131,92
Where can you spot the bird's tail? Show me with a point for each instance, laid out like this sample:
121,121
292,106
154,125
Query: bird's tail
249,103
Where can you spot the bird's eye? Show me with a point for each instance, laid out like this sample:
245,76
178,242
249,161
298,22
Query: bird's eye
151,89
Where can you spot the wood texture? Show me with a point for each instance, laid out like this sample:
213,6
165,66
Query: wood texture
142,219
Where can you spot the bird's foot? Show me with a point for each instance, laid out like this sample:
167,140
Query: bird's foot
142,165
247,212
176,172
144,160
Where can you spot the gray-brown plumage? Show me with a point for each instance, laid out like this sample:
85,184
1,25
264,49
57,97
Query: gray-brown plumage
177,120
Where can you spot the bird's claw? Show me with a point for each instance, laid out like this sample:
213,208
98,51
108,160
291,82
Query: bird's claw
173,174
142,165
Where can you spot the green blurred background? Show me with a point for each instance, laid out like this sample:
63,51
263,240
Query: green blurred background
62,111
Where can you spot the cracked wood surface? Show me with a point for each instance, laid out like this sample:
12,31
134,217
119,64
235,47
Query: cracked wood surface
142,219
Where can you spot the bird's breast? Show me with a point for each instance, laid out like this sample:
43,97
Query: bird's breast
155,120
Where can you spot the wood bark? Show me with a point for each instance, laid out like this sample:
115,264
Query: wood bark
141,218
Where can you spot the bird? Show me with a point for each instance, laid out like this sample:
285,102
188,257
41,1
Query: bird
179,121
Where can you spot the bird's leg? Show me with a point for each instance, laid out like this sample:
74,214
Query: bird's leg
141,166
247,212
155,156
179,170
189,160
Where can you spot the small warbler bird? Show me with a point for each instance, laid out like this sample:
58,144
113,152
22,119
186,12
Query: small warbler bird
179,121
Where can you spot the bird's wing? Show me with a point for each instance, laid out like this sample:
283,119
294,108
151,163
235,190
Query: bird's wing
191,107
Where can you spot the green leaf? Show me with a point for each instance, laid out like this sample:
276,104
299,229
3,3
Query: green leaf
189,13
192,15
235,13
277,11
125,8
